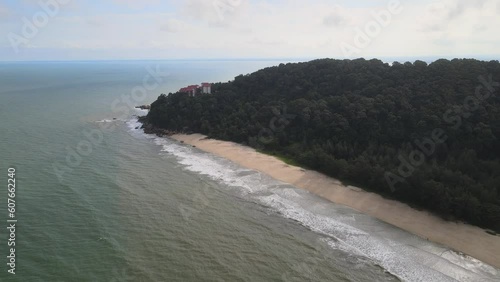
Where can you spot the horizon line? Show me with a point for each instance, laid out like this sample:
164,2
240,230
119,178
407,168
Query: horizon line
433,57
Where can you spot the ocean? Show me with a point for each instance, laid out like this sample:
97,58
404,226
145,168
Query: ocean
98,200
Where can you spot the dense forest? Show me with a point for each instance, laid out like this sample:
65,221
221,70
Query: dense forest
424,134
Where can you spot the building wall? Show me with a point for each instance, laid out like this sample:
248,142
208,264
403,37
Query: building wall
207,89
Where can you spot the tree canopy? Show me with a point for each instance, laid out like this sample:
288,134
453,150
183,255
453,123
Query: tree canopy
369,123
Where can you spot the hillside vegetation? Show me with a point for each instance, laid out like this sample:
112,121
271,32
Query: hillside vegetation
427,135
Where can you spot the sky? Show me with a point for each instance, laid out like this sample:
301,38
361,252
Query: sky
214,29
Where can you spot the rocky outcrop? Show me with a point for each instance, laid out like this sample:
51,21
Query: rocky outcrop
144,107
151,129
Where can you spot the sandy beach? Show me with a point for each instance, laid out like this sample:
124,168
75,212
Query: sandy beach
460,237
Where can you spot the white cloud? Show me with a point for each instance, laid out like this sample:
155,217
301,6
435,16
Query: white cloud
277,28
136,4
96,21
173,26
217,13
439,14
5,13
338,17
458,19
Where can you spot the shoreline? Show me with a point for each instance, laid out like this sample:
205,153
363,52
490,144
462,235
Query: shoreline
461,237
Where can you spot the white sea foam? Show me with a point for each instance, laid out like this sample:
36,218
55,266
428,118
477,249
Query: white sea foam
134,124
106,120
213,167
406,256
141,111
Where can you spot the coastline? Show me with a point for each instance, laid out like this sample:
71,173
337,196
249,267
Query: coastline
461,237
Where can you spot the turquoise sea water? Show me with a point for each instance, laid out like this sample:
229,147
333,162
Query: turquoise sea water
97,200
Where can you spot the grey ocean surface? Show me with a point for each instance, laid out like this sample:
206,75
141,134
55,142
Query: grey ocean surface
134,207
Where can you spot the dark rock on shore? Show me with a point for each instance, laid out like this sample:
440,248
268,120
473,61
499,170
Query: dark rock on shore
151,129
144,107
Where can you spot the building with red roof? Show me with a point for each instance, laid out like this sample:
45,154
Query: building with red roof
206,88
193,90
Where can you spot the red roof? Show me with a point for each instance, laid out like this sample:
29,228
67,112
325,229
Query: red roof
194,87
189,88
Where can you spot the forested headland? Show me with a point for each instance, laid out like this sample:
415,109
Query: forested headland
424,134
